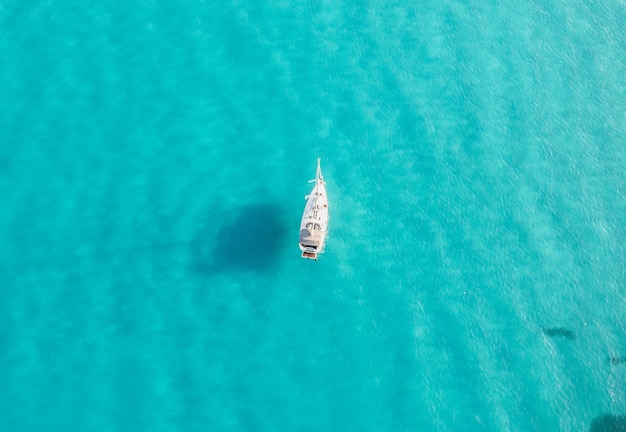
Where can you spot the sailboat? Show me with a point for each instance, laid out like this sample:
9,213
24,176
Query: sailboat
314,225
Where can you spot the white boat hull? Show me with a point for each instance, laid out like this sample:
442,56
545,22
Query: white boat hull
314,224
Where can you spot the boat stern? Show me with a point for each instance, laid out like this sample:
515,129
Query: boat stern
311,241
309,255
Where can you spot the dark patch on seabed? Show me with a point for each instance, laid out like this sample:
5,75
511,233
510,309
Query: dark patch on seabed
615,360
608,423
559,332
249,241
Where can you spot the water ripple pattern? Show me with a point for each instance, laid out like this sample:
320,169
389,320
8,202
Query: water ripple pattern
154,157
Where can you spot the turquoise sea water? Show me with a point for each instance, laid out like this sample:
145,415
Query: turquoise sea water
154,157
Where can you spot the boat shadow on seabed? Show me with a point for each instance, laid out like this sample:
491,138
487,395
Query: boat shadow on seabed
249,241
